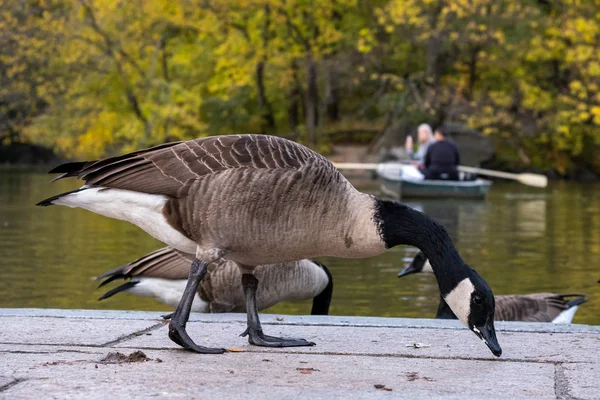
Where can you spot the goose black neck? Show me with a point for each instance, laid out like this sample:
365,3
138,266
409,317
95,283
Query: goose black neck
322,301
400,224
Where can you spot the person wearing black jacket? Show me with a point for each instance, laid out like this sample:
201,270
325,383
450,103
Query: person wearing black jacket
442,158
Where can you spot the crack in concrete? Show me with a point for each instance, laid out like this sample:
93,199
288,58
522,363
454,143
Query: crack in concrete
6,351
16,381
562,388
52,344
120,339
438,328
281,351
426,357
133,335
379,355
561,384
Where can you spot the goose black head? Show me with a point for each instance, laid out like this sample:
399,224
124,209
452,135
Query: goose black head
472,301
419,263
467,294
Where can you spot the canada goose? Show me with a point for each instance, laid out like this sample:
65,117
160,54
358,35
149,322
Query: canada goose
163,274
534,307
257,199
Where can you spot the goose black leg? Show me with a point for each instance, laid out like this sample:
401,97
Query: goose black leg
177,331
254,330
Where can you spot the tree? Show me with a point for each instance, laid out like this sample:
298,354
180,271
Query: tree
91,78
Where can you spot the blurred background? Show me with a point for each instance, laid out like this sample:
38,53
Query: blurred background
516,83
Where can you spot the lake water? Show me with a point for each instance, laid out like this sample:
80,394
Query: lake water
520,239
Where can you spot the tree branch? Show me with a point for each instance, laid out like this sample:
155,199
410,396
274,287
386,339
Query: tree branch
131,98
110,43
294,28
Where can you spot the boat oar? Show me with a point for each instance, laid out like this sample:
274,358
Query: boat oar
535,180
364,166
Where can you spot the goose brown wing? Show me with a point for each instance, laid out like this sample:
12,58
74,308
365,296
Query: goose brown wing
166,263
520,308
557,303
537,307
166,169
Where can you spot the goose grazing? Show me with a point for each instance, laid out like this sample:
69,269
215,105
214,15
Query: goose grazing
163,274
257,199
535,307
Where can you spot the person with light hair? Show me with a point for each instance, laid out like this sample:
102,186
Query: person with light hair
425,138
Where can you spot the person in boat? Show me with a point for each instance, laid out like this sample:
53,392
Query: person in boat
442,158
425,138
413,171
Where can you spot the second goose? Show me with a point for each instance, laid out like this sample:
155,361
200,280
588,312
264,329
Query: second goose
163,274
534,307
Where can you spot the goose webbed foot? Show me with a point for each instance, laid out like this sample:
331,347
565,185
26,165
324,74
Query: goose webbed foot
258,338
179,335
254,330
179,318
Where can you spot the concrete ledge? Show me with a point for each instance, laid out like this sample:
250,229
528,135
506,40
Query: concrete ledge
61,353
308,320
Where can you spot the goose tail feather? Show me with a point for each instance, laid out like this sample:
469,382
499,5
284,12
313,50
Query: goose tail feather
123,288
571,306
113,274
69,169
50,200
579,299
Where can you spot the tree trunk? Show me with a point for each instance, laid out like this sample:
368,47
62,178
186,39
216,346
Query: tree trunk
472,73
332,98
294,102
312,101
167,78
434,46
265,109
433,50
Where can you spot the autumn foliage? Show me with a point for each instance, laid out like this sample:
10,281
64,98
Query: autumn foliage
93,78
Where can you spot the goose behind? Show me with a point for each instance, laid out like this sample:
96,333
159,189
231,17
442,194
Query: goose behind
535,307
163,274
257,199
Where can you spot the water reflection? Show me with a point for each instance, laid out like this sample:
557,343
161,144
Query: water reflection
521,240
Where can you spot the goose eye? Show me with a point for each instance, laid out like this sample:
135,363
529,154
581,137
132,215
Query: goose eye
477,299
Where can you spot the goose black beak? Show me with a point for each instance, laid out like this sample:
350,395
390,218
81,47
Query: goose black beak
410,269
487,333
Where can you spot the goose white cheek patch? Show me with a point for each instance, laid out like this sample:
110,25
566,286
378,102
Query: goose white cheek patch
459,300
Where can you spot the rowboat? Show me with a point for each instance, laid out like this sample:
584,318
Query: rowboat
395,184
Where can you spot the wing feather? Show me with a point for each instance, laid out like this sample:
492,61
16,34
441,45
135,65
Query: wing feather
165,263
167,168
536,307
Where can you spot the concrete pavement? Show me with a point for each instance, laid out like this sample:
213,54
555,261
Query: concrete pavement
92,354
